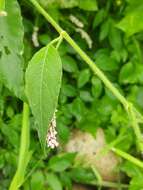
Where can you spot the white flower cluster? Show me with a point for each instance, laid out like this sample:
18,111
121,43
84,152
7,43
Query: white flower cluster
51,135
3,13
76,21
85,36
80,30
35,36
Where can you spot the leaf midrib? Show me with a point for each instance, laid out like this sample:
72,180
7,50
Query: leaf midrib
41,85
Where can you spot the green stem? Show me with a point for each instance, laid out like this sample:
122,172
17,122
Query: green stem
136,128
98,176
91,64
109,184
56,40
47,16
59,42
2,5
108,147
24,154
128,157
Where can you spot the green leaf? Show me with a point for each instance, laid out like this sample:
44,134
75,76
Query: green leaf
66,180
131,170
11,135
115,38
68,3
106,105
126,74
136,96
134,2
104,61
43,81
11,48
69,64
44,39
82,175
97,87
88,5
127,141
136,183
119,117
37,181
53,181
77,108
63,132
132,22
89,122
61,162
99,18
131,73
69,90
83,77
104,30
86,96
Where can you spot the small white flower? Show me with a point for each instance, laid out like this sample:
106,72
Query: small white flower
51,135
35,36
3,13
85,36
76,21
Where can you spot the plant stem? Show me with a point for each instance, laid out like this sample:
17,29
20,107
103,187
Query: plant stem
2,5
24,154
98,176
136,128
59,42
56,40
108,147
128,157
92,65
109,184
47,16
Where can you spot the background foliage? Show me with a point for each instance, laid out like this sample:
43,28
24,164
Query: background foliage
111,34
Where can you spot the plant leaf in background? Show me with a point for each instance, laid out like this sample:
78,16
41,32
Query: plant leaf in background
97,87
57,3
79,174
88,5
132,22
131,73
104,29
104,61
84,76
37,180
69,64
43,81
11,48
53,182
136,174
61,162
